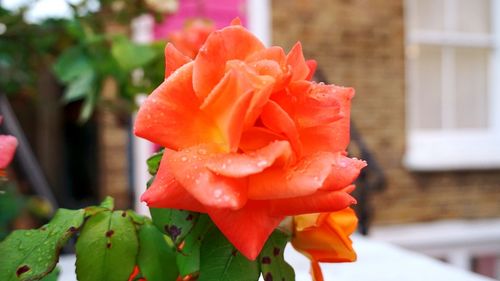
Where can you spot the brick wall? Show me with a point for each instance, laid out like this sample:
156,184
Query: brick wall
360,43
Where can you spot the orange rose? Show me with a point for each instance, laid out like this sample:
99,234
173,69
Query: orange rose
8,145
248,138
190,39
325,238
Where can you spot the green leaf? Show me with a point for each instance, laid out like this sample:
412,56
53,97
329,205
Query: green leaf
93,210
71,64
11,205
130,55
149,183
108,203
32,254
80,87
136,218
107,248
174,223
272,263
221,261
154,162
89,104
156,258
53,276
188,259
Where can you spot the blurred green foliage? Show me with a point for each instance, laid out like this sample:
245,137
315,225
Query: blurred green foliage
82,52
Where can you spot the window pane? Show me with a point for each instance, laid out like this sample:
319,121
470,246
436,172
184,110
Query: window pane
426,14
427,95
471,87
474,16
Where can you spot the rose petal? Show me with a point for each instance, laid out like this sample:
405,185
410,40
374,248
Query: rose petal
166,192
344,171
174,59
316,104
273,53
261,85
295,58
243,164
305,178
257,137
8,145
247,228
312,64
189,168
210,63
278,120
228,104
170,116
325,171
319,202
332,137
276,54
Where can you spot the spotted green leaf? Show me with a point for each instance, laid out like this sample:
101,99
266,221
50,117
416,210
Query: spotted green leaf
219,260
272,263
108,203
53,276
174,223
32,254
188,259
107,248
156,257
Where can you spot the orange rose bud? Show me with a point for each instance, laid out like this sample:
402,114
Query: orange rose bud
248,137
325,238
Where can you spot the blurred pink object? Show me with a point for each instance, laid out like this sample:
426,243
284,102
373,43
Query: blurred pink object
221,12
8,145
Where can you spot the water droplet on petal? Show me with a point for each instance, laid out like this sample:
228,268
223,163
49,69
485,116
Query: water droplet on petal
217,193
184,158
202,151
262,163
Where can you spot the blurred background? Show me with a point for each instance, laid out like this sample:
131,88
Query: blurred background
426,115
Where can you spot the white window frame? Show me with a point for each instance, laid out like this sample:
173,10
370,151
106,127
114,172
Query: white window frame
457,149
